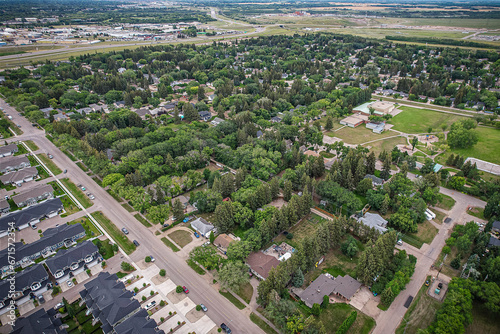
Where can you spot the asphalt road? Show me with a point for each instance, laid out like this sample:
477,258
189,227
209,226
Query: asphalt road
219,308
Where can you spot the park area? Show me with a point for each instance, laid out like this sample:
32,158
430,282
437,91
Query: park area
359,135
416,120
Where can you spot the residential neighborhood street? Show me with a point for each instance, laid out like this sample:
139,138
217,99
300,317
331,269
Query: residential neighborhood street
219,308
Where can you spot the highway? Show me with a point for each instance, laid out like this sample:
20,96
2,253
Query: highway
219,308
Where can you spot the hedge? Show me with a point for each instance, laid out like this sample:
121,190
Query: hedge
347,323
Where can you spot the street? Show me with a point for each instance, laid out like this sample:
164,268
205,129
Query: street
219,308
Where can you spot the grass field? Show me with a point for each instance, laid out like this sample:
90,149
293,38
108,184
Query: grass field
90,229
262,324
80,196
487,146
49,163
127,207
245,292
31,145
447,203
483,321
358,135
199,270
170,244
476,212
117,235
141,219
426,232
420,314
415,120
333,316
69,206
232,299
385,145
181,237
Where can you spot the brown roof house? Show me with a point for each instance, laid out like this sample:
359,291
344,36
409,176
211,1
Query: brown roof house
261,264
325,285
223,240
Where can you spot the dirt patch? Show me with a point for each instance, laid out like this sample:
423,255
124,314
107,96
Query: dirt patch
157,280
143,265
278,203
181,237
175,297
194,315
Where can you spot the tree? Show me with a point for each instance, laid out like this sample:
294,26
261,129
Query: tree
287,191
403,221
190,113
456,182
201,93
461,137
329,123
178,210
326,302
349,247
224,217
295,323
363,186
414,142
179,289
147,259
386,169
126,266
233,274
298,278
316,309
212,237
370,163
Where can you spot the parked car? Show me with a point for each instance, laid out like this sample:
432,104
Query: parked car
166,225
225,328
65,171
124,230
33,226
58,305
90,196
41,300
440,285
204,308
152,258
150,305
427,283
136,243
196,234
70,284
400,242
52,157
185,289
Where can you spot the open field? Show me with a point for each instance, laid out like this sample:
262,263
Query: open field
386,144
359,135
487,146
425,234
446,203
170,244
420,314
482,321
416,120
232,299
181,237
333,316
117,235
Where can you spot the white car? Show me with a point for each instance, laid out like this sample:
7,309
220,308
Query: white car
70,284
150,305
400,242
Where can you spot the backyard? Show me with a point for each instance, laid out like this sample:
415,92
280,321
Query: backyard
416,120
333,316
425,234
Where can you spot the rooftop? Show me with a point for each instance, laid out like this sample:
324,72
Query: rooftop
374,220
34,212
32,193
67,257
262,263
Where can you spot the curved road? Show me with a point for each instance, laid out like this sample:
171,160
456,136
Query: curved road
219,308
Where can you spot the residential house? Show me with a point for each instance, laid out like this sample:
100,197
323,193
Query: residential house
223,240
60,117
494,242
20,176
24,282
28,198
8,150
119,104
46,111
276,119
108,301
53,239
216,121
84,111
14,163
138,323
4,206
30,216
374,220
325,285
259,134
205,115
211,97
72,261
495,228
142,112
376,181
41,321
261,264
202,226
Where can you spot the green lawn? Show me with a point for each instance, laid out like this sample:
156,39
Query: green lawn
31,145
487,147
117,235
82,166
359,135
181,237
446,203
386,144
262,324
42,173
420,314
128,207
333,316
106,249
199,270
425,234
170,244
416,120
141,219
245,292
232,299
80,196
483,321
69,206
49,163
476,212
90,229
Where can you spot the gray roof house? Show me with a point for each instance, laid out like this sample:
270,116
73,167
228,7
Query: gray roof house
4,206
205,115
496,226
202,226
72,259
493,242
53,239
217,121
374,220
39,322
376,181
14,163
325,285
20,176
138,323
26,281
108,301
8,150
30,216
28,198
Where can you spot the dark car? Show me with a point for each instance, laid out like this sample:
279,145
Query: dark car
136,243
440,285
124,230
225,328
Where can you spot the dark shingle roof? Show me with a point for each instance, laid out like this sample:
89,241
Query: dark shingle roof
8,148
138,324
38,322
32,193
67,257
33,212
24,279
13,161
51,237
19,175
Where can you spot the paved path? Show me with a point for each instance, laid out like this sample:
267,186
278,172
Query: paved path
220,309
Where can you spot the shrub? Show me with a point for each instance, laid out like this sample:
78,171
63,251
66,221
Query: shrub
144,284
289,236
162,319
143,298
148,259
316,309
198,308
163,272
162,303
170,313
446,250
326,301
152,293
347,323
136,289
179,289
127,266
455,263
